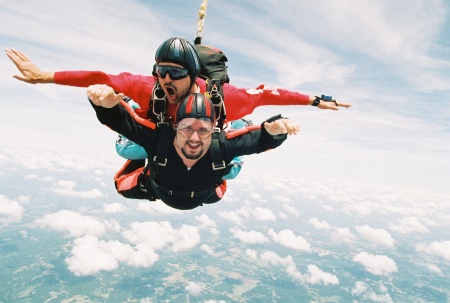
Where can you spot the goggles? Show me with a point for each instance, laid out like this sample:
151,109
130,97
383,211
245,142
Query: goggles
175,72
202,133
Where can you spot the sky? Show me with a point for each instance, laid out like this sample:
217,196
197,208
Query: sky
374,176
391,61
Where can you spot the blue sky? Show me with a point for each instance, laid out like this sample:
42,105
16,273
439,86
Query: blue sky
391,60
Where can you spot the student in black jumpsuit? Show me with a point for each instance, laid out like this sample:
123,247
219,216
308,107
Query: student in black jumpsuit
187,178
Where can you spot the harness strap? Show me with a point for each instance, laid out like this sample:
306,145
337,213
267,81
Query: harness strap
157,106
216,152
142,177
214,91
163,147
180,193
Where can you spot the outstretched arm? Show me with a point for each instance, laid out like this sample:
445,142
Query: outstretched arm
240,102
30,73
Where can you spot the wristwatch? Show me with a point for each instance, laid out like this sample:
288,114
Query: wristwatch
316,101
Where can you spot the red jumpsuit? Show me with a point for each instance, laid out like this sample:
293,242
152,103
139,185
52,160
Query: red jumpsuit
239,102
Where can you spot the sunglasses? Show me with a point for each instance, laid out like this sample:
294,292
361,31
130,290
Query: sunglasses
175,73
202,133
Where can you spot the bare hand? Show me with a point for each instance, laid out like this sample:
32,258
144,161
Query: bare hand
103,95
331,105
282,126
30,72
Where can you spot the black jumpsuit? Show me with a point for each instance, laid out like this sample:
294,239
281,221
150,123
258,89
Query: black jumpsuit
175,178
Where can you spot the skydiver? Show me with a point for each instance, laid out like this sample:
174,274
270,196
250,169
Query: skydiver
186,178
176,70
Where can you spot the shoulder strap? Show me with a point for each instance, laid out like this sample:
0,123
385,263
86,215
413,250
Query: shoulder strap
216,152
214,91
218,165
160,159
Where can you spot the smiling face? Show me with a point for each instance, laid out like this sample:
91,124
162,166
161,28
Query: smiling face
191,146
175,90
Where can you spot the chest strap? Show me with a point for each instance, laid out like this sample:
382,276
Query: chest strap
180,193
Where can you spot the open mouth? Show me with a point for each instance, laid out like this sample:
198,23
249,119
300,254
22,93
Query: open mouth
171,93
193,145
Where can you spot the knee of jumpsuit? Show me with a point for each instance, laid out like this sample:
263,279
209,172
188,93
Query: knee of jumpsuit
128,149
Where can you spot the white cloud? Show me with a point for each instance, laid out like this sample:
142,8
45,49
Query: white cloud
434,268
436,248
256,196
289,264
90,255
282,199
287,238
319,224
251,253
363,208
157,208
112,208
10,211
23,199
157,235
245,211
208,249
264,214
76,224
315,276
251,237
340,234
194,288
363,290
290,209
66,188
231,216
408,225
360,287
376,235
376,264
343,234
205,221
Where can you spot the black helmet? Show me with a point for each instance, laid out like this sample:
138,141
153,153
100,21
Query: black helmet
179,51
196,106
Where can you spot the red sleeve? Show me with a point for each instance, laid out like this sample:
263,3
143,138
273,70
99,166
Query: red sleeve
137,87
240,102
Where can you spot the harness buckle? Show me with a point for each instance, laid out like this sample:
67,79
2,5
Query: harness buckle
162,123
192,194
160,163
170,192
142,187
219,166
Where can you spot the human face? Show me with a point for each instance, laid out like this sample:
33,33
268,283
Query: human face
175,90
193,146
